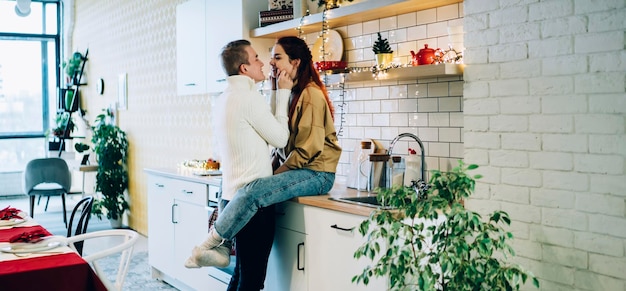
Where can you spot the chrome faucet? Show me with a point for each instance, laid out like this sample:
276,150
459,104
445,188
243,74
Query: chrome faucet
420,186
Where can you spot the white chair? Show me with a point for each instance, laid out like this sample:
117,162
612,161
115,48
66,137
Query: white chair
125,248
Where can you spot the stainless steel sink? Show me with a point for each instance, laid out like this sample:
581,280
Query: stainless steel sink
367,201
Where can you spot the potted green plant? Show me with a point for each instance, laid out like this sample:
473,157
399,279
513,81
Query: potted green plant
330,3
383,51
434,243
110,145
72,67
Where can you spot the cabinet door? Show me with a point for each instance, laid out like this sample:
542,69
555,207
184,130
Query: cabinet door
160,227
191,228
190,48
332,239
286,268
223,25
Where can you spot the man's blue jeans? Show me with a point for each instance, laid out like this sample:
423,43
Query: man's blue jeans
268,191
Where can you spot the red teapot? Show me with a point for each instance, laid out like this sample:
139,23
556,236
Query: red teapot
425,56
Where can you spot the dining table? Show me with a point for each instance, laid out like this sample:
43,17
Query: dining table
48,264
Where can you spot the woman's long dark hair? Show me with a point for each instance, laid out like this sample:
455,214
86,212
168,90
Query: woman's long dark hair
297,49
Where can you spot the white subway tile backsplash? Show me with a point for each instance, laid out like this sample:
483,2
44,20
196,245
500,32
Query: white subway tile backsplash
407,105
364,120
437,29
398,92
438,89
426,16
398,119
428,134
457,150
457,119
427,105
371,27
450,104
389,23
381,119
364,93
416,32
355,30
438,149
397,35
450,134
407,20
431,108
418,119
390,106
439,119
447,12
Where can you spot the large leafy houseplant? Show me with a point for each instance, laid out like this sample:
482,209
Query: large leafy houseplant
431,242
110,146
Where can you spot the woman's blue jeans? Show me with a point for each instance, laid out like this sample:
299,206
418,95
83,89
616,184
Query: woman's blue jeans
268,191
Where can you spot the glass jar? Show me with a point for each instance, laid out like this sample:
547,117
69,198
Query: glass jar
397,171
363,167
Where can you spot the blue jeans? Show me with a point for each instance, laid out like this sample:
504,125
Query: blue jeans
267,191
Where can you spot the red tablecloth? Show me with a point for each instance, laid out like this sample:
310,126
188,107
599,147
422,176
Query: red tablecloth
7,234
55,272
60,272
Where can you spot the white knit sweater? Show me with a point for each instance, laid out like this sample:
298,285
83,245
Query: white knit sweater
244,126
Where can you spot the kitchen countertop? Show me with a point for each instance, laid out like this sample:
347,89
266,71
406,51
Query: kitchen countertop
322,201
338,190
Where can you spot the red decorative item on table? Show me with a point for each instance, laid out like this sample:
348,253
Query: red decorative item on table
425,56
29,236
8,213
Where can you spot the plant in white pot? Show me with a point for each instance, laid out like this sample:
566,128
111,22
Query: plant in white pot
431,242
110,145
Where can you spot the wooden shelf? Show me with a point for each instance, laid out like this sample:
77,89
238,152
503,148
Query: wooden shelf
346,15
401,74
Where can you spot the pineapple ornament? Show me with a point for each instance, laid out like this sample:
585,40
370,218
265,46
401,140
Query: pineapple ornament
382,49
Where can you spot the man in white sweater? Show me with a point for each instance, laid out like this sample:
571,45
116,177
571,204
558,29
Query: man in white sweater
244,125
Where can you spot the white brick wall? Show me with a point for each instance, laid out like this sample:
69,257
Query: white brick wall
545,113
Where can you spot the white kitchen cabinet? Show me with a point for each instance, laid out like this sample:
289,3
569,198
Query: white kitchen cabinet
332,239
191,69
203,29
322,242
178,220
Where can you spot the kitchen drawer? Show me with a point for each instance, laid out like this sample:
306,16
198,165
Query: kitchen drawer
290,215
191,192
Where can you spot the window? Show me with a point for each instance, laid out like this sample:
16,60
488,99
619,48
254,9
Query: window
29,62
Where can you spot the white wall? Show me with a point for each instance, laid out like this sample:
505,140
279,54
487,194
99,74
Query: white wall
544,105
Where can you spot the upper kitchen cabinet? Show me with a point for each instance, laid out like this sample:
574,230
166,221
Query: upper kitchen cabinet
191,69
363,11
202,30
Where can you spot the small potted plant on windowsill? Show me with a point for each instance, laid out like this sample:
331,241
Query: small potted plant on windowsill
434,243
383,51
110,145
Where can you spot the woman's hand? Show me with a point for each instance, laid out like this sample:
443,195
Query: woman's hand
284,81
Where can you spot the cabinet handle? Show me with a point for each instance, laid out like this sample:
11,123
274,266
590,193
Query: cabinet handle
158,185
190,84
173,206
220,80
298,255
341,228
187,192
